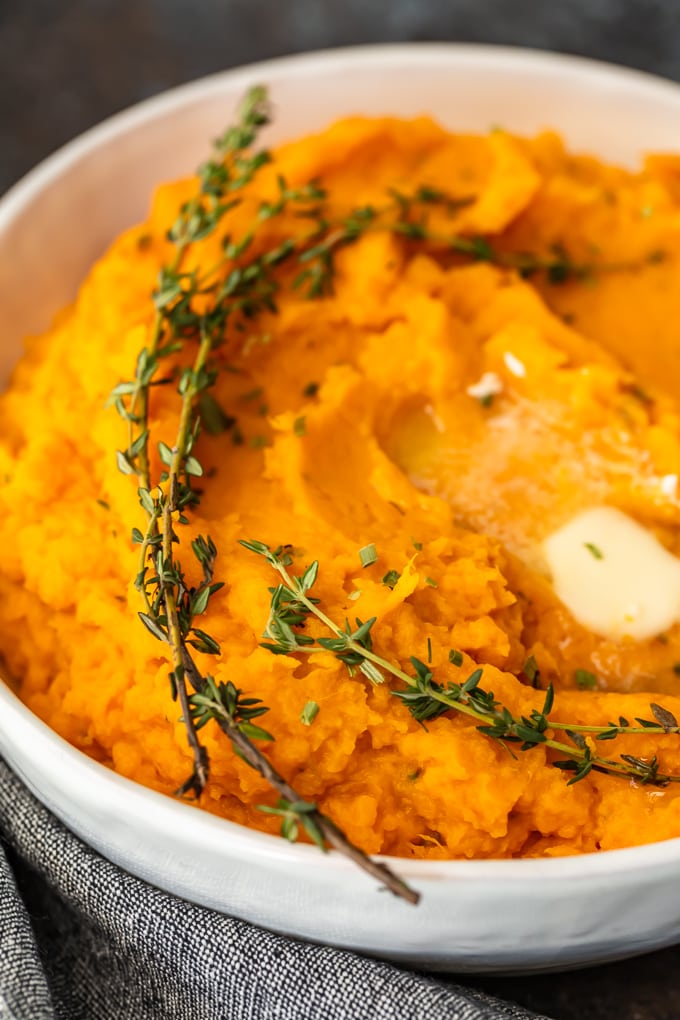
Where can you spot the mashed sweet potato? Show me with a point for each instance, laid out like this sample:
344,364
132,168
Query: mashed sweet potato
397,447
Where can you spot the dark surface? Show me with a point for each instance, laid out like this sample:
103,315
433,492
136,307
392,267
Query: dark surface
66,66
645,988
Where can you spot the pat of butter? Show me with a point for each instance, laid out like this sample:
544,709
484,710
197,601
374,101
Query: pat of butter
613,575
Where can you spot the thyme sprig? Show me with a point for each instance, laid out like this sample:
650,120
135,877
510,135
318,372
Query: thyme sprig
292,605
171,604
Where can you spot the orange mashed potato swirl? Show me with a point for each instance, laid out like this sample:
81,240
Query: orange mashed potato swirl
397,449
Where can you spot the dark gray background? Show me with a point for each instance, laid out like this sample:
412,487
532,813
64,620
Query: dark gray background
67,64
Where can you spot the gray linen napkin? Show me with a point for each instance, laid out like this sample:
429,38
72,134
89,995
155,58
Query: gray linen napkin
80,939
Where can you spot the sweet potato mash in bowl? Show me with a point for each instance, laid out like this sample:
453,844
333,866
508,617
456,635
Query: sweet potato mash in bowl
403,396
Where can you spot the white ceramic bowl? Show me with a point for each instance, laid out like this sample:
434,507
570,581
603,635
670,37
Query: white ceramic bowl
474,915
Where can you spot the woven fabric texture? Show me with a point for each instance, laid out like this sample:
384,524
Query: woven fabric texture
80,939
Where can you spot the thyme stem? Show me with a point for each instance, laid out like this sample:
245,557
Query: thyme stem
139,400
430,698
332,835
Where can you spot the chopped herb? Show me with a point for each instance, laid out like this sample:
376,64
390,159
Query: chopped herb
429,650
585,680
594,550
309,713
417,545
391,578
412,776
253,394
455,657
102,502
300,426
431,583
486,388
259,442
311,389
213,417
639,393
368,555
531,670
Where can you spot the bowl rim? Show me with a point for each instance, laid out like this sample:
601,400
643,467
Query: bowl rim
143,801
509,57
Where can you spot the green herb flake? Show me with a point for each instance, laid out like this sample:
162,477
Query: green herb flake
417,545
391,578
310,390
300,426
429,650
640,394
253,394
259,442
530,669
368,555
104,504
309,713
585,680
214,419
455,657
594,550
431,583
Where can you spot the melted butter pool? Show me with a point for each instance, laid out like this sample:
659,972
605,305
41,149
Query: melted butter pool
519,470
